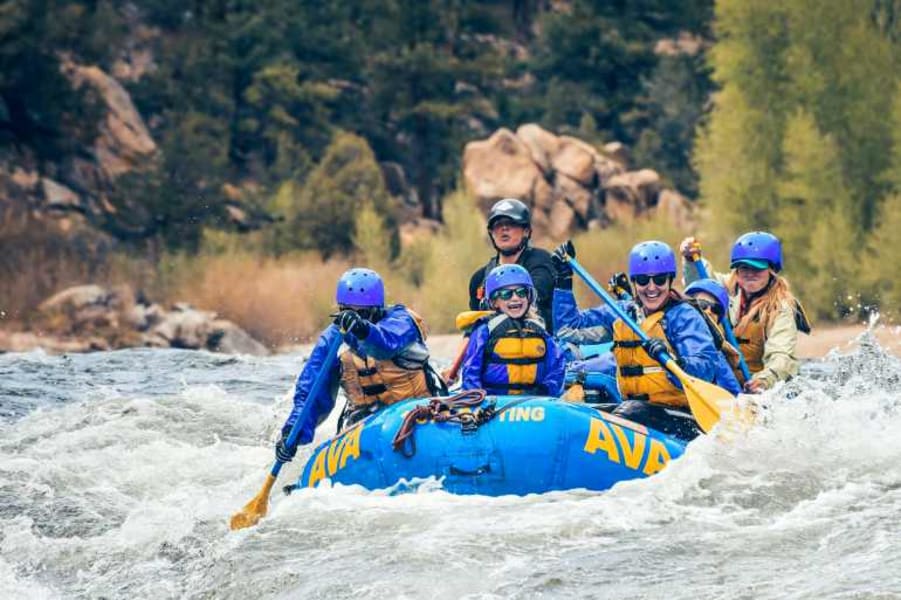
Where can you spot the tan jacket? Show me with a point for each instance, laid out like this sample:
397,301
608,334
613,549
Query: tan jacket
780,348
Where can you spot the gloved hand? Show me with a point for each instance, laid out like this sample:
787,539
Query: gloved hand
349,321
619,283
754,386
656,348
282,452
690,248
564,272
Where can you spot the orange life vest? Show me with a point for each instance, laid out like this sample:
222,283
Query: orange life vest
366,380
639,376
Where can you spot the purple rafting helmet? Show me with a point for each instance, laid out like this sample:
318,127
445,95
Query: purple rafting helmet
712,287
758,249
360,287
506,275
652,258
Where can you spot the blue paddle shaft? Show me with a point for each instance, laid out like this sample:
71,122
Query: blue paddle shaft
318,382
727,324
614,306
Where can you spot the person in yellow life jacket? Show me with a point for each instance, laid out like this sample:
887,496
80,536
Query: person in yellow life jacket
386,359
510,351
765,315
651,396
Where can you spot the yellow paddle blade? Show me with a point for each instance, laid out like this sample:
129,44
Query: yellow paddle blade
706,400
254,510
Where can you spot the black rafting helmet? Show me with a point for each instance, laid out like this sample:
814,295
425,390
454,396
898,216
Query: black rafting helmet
517,212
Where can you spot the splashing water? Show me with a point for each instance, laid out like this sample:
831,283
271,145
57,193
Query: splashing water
118,473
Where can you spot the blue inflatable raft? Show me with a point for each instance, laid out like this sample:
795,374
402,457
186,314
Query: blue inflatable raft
498,445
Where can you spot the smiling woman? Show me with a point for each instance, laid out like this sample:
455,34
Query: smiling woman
670,328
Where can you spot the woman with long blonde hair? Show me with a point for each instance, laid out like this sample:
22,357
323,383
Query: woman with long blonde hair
766,316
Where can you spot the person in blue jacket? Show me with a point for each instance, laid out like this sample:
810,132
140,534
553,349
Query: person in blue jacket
651,395
711,297
510,351
386,359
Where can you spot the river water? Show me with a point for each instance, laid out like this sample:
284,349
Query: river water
119,471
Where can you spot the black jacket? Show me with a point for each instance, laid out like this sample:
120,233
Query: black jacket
539,265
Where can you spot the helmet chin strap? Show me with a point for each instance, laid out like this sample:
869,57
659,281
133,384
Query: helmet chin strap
513,251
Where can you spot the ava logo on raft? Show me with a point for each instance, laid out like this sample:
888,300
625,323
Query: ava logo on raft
334,457
613,440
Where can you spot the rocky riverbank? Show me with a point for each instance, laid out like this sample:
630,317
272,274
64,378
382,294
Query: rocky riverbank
89,318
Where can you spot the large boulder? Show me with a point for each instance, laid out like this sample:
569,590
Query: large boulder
228,338
576,159
628,195
569,184
500,167
124,144
542,144
94,317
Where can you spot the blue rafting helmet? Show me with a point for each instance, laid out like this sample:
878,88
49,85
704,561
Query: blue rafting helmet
712,287
507,275
360,287
757,249
652,258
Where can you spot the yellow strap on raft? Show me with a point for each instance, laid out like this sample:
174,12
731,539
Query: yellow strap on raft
465,320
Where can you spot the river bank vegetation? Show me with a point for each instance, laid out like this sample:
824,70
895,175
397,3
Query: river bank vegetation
273,144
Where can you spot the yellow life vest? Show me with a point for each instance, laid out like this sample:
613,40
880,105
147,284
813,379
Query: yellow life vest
520,346
366,380
639,376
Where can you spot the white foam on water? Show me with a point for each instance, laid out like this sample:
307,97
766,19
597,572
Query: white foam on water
126,495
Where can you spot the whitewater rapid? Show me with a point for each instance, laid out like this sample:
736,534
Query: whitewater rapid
119,471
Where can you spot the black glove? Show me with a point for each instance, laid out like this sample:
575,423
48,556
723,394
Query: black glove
563,272
619,284
349,321
282,452
656,348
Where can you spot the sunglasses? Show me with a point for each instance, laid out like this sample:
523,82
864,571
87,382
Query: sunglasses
713,307
507,293
643,280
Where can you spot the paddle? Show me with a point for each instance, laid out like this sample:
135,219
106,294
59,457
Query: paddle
256,509
727,324
703,396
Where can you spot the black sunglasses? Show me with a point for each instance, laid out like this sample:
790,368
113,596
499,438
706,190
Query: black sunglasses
714,307
507,293
643,280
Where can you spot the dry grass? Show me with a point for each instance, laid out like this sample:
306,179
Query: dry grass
39,258
278,300
287,299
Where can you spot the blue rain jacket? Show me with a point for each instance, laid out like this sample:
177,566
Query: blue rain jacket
725,377
685,330
387,338
493,377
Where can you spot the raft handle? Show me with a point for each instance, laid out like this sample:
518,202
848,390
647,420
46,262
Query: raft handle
470,473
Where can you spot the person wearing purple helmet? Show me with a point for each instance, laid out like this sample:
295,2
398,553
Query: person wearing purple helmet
712,300
651,395
510,351
386,359
765,315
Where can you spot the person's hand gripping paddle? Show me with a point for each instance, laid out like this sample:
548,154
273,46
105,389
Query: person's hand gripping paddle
704,398
257,508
